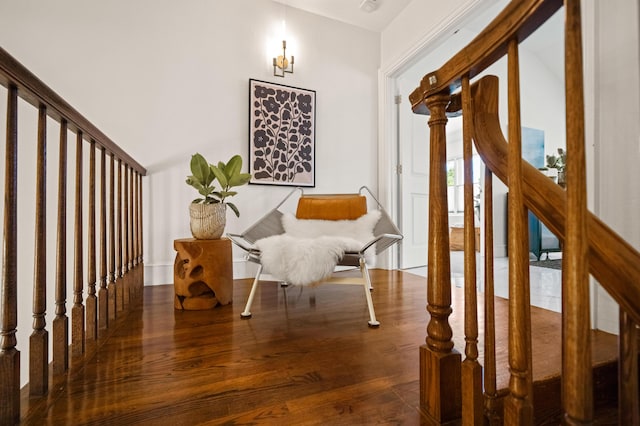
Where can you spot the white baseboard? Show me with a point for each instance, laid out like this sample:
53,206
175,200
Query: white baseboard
158,274
162,273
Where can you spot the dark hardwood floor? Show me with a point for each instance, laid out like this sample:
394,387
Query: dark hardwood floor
306,357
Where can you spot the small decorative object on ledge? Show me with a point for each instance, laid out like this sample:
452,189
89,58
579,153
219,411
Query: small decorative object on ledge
559,162
208,214
549,173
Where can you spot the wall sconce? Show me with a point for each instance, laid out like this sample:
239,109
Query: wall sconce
282,63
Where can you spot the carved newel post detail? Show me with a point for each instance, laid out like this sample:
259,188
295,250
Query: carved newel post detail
440,383
203,273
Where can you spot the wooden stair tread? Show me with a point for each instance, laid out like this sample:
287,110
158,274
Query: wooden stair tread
546,339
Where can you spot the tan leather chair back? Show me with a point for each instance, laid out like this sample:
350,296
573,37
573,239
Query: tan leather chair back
332,207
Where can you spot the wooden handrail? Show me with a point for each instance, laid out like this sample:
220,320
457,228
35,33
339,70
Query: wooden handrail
517,21
34,91
612,261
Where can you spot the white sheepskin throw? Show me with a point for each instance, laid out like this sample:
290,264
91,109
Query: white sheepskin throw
309,249
360,229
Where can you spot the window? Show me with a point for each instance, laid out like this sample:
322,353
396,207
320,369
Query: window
455,183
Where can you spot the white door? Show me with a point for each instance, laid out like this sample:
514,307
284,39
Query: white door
413,181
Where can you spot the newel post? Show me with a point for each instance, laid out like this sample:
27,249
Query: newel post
440,371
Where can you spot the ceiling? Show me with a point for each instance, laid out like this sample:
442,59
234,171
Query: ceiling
543,43
349,11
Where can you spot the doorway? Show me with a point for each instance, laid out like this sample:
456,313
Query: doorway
412,136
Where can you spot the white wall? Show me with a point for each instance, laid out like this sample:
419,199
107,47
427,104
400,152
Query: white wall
422,22
616,139
166,79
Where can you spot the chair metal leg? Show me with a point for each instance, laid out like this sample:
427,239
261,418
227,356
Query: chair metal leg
373,322
246,314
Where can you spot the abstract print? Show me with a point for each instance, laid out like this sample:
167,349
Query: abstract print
282,134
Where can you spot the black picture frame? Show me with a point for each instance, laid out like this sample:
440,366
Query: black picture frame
282,127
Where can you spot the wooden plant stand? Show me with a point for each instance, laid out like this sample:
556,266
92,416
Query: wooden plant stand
203,273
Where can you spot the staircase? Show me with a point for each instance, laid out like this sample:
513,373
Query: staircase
453,388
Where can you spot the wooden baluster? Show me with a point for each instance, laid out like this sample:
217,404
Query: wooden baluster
119,276
77,311
490,382
39,340
140,247
112,284
518,408
103,294
131,239
134,230
92,301
440,383
125,242
132,281
471,370
133,254
577,386
9,355
61,321
628,397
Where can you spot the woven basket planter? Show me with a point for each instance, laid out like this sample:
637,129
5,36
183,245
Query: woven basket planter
207,220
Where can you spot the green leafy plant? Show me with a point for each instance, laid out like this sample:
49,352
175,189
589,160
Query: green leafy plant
228,175
557,162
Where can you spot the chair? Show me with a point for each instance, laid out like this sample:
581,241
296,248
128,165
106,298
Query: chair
335,226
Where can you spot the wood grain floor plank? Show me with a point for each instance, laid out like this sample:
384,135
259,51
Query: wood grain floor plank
306,357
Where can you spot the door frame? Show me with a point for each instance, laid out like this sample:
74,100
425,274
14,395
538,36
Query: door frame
388,143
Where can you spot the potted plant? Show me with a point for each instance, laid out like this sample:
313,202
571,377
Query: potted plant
558,162
208,212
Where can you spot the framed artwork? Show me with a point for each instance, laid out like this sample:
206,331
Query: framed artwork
281,134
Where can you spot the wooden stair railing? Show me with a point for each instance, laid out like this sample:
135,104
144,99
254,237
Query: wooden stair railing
612,260
96,303
589,245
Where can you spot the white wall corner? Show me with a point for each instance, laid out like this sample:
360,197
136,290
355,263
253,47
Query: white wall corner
399,47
